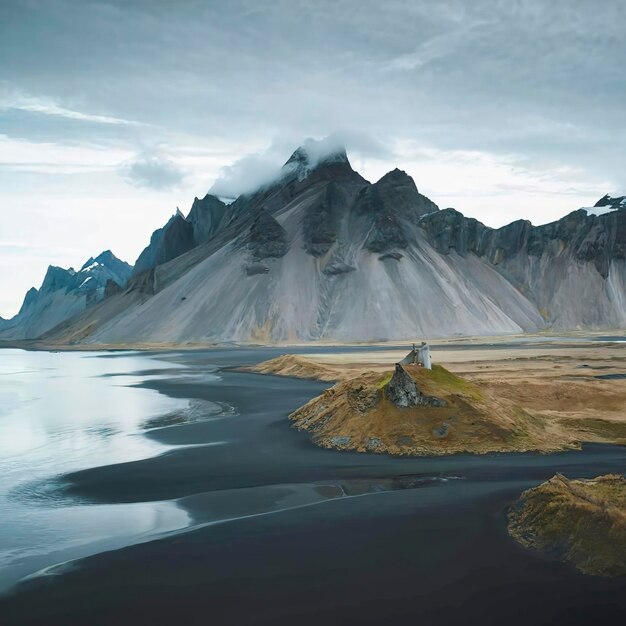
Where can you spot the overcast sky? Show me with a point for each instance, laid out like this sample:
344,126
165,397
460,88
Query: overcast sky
114,113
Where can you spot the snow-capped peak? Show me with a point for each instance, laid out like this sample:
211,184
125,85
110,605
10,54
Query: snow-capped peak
92,266
606,204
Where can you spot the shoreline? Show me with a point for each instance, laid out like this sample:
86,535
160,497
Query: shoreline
609,335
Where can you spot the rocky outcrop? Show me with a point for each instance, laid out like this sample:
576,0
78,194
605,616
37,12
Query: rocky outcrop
386,234
558,266
587,238
253,269
111,289
395,256
404,393
610,201
206,218
266,238
582,522
167,243
319,230
397,191
390,203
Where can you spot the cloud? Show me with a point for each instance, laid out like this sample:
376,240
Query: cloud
153,170
437,47
18,155
253,171
12,98
47,107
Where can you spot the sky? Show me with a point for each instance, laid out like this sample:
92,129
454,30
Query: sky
112,114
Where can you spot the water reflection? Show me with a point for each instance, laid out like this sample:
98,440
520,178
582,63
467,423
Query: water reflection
61,412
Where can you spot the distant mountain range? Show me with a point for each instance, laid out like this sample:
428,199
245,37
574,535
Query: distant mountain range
65,293
322,254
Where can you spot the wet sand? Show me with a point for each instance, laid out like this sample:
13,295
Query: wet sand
286,532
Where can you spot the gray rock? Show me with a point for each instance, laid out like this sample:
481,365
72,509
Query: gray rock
386,233
340,441
442,431
319,227
111,288
373,443
206,218
266,238
167,243
585,238
402,390
336,267
396,256
607,200
404,393
256,268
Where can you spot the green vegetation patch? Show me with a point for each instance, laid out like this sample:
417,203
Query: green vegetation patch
384,381
452,383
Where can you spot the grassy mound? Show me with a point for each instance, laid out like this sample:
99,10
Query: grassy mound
295,366
356,414
580,521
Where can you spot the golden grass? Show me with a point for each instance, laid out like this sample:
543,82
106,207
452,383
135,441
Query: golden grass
355,414
579,521
512,399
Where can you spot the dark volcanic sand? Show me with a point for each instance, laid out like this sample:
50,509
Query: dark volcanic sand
287,533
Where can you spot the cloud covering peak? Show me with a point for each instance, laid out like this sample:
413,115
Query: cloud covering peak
251,172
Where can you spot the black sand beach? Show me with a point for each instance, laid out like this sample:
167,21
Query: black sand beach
285,532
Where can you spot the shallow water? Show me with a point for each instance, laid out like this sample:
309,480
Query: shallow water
61,412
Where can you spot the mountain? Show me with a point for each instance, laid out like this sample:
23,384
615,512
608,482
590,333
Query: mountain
321,253
65,293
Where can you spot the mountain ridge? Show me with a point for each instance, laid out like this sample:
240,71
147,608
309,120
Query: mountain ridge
322,253
64,293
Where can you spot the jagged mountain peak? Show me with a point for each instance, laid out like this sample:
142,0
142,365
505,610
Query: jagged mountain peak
397,178
611,201
106,259
314,155
209,198
606,204
315,152
29,298
395,175
87,264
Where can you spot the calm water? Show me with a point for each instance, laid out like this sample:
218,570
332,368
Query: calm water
61,412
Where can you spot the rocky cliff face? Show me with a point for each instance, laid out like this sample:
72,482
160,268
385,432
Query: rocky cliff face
573,269
321,253
167,243
206,218
65,293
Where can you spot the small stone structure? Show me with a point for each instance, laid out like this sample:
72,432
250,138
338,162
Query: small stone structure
419,356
